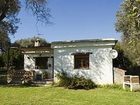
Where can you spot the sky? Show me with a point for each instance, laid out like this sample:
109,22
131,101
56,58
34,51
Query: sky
72,20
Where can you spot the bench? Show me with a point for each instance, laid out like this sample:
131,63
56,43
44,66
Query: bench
132,82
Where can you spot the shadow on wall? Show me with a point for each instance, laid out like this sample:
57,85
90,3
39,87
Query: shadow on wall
100,63
29,62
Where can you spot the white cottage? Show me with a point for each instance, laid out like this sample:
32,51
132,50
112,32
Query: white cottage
89,58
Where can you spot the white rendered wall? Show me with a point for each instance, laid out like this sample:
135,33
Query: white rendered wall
29,62
100,63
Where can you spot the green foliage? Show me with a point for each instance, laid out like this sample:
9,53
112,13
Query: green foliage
132,50
128,23
4,41
64,79
9,10
75,82
14,57
8,20
29,42
128,17
122,61
8,16
81,83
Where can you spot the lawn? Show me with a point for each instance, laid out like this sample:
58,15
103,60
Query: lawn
60,96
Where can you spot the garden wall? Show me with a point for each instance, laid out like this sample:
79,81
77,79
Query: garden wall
119,75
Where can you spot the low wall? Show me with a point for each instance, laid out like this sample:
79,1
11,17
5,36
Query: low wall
119,75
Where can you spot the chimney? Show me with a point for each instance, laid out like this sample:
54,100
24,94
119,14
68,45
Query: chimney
37,43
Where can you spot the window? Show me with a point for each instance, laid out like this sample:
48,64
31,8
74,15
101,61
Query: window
81,60
41,62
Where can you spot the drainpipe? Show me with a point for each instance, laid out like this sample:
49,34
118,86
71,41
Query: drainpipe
113,75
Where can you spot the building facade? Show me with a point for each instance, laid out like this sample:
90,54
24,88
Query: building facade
89,58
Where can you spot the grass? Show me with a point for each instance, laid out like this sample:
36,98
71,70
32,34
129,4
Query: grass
60,96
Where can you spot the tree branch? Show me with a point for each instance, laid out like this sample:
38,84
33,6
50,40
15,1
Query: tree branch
4,10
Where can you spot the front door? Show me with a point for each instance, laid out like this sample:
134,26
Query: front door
44,68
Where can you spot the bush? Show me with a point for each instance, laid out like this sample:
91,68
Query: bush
81,83
64,79
75,82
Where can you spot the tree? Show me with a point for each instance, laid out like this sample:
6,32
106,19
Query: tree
9,10
122,61
15,59
29,42
4,41
128,23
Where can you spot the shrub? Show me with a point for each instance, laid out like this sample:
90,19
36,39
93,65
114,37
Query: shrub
75,82
81,83
64,79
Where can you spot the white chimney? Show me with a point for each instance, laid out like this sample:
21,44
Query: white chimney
37,43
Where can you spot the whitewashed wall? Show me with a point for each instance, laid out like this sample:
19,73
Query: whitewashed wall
29,62
100,66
